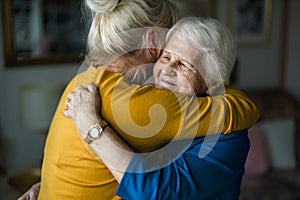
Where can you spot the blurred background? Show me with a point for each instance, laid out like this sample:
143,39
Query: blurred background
41,49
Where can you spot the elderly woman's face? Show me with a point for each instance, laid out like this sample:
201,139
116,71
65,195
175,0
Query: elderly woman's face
175,70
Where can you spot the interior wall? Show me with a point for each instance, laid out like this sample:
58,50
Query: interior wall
258,65
21,148
293,59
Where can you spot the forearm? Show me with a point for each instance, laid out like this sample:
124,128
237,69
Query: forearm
114,152
82,107
110,148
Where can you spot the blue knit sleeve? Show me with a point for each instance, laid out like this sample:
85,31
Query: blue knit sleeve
215,174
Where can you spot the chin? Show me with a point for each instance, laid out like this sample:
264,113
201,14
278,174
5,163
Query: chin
161,87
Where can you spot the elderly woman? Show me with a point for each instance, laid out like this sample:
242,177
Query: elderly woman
197,60
71,170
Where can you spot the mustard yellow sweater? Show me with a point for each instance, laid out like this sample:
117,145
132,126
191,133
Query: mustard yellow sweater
145,117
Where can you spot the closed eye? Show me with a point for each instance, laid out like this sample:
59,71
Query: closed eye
182,66
165,57
185,67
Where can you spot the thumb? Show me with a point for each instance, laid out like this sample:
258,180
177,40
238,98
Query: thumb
92,87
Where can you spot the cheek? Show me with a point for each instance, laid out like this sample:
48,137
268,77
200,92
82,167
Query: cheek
187,78
192,83
199,85
156,70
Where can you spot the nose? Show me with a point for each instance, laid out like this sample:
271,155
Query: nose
173,64
169,70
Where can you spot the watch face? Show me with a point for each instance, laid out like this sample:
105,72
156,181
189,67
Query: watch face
94,132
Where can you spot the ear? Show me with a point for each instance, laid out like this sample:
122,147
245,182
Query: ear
154,42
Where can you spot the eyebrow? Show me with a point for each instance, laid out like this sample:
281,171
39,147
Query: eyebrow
178,56
193,67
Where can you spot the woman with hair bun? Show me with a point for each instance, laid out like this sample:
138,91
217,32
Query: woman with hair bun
69,170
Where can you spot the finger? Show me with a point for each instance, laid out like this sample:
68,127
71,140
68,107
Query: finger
70,95
78,88
31,195
92,87
68,102
68,105
24,197
67,113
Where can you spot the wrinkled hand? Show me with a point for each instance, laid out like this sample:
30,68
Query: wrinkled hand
83,107
32,193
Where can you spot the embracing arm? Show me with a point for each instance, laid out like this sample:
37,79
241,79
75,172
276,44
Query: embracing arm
83,108
217,173
188,171
137,112
114,152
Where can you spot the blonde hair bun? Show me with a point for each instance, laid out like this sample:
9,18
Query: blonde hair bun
102,6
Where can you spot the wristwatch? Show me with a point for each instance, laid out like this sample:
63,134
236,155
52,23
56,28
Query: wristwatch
95,132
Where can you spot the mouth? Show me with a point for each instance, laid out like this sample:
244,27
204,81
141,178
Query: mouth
166,84
169,82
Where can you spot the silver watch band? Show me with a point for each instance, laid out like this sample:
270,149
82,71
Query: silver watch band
98,128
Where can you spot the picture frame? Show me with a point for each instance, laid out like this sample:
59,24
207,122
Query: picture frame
28,39
200,8
250,21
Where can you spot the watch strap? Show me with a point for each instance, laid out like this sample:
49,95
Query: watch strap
99,127
102,124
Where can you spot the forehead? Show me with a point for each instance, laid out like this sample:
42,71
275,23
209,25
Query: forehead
180,46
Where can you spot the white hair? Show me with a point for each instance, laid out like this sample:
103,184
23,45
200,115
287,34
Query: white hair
215,43
112,18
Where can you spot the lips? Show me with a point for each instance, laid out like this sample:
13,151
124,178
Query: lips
167,84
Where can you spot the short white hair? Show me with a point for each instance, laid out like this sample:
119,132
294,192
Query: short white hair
215,43
113,18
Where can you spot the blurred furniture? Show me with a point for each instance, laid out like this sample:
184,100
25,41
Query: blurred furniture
272,169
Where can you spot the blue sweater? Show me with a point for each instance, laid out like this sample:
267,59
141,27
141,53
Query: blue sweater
210,167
